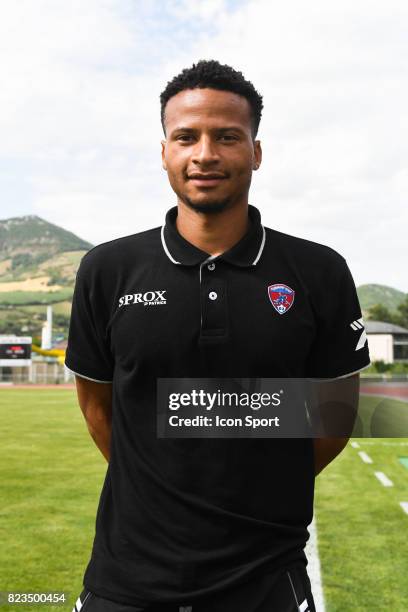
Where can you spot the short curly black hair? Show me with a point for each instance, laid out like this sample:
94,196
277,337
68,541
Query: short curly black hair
212,74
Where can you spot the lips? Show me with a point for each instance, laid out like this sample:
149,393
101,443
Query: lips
206,180
208,176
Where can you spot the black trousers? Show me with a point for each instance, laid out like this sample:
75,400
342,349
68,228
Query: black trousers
286,590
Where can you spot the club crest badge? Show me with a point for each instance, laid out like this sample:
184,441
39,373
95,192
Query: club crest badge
281,296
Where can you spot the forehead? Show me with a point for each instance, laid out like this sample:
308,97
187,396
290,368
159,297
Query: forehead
197,107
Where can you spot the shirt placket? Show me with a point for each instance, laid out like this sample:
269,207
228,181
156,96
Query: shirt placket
213,297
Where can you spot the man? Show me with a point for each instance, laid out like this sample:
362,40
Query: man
206,524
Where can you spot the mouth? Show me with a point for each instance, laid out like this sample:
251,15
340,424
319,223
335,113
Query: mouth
207,182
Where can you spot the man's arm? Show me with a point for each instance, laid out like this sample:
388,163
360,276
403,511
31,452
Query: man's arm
326,449
95,400
345,393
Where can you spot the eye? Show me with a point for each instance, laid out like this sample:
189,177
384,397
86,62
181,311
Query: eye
223,136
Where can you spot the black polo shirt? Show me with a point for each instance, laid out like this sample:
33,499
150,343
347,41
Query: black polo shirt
182,518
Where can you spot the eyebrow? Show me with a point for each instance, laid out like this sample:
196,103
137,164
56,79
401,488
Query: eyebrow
234,128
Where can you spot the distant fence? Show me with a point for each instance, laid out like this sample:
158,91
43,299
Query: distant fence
384,378
52,373
40,373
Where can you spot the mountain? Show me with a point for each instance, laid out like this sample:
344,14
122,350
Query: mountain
37,257
38,264
31,238
372,294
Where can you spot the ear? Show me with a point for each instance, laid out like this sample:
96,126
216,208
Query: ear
257,154
163,143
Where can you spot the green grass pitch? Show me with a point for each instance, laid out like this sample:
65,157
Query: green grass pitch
51,474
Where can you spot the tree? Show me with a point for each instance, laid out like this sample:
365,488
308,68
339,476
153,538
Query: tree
402,316
378,312
380,366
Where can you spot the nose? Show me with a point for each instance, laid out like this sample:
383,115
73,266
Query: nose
205,151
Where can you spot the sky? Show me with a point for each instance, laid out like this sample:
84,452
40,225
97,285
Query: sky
80,123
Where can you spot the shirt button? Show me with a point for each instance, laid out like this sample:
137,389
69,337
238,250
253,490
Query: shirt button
212,295
211,266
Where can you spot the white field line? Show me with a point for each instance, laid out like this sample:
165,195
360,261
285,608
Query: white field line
355,444
384,479
313,567
380,475
364,457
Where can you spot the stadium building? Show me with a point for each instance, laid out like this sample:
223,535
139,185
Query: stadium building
387,342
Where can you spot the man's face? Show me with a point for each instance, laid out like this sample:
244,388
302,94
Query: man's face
209,132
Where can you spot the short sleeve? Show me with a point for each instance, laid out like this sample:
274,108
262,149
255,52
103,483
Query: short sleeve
340,347
88,352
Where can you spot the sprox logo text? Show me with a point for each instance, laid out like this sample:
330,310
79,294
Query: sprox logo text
149,298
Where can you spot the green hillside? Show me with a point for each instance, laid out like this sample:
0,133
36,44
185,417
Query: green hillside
38,264
370,295
32,235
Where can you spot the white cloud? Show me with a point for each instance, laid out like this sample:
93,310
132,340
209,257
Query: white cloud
185,9
80,124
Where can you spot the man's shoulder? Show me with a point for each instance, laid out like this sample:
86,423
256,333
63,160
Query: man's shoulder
123,248
304,250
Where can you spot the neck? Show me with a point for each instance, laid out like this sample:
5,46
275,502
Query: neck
213,233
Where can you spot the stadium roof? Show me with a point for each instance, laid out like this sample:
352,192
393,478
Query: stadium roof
379,327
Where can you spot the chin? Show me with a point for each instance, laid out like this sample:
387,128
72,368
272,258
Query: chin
211,207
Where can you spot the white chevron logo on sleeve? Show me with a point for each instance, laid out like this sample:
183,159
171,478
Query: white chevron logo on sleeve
356,325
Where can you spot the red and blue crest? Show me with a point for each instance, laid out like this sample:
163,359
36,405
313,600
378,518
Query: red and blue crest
281,296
